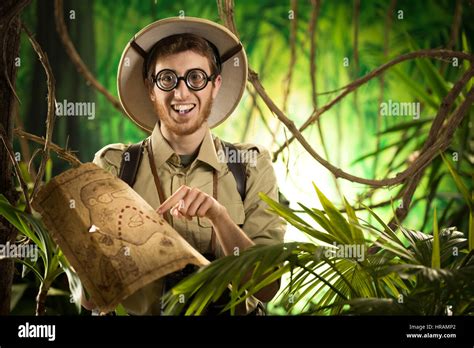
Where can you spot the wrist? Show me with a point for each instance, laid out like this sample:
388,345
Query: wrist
218,214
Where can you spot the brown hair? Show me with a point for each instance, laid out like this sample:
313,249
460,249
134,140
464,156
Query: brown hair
179,43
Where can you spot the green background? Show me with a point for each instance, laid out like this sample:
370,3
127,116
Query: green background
101,29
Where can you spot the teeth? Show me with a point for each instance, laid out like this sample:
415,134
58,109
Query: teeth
183,107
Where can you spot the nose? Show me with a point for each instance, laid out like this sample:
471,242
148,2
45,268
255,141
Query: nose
181,91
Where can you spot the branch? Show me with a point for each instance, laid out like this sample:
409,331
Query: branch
356,37
11,154
25,149
434,53
50,117
76,58
315,5
62,153
291,65
402,211
388,26
6,20
13,12
433,144
226,12
372,206
378,125
437,132
457,18
260,111
418,164
254,98
355,70
456,25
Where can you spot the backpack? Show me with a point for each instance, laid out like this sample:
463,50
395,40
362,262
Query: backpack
128,172
129,168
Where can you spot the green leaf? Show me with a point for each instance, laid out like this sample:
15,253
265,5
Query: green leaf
28,232
407,125
17,292
32,267
435,259
380,150
320,218
357,234
24,172
471,231
289,215
9,212
339,223
386,228
282,210
415,89
75,284
16,218
48,170
466,64
121,311
57,292
433,78
459,183
210,282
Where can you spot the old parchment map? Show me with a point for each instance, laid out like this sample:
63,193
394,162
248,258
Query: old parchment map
113,239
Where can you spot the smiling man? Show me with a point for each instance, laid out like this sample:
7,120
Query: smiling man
177,79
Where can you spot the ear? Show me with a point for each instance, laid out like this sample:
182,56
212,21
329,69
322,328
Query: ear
150,87
217,86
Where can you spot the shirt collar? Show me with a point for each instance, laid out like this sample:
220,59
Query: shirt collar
162,151
208,153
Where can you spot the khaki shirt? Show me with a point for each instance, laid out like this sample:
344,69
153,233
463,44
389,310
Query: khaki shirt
257,222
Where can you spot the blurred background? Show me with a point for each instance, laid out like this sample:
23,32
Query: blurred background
351,38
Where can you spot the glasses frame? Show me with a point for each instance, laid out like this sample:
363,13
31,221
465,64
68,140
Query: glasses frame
154,78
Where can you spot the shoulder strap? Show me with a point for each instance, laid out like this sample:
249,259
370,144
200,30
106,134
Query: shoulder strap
238,169
131,159
132,156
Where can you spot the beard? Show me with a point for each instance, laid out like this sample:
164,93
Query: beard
183,128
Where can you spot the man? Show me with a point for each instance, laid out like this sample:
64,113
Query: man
177,79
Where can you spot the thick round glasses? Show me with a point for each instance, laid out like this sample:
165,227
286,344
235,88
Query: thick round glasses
195,79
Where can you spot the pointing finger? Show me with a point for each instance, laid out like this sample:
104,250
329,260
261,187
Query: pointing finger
174,199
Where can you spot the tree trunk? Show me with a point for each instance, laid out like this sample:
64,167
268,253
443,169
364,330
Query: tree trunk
70,85
10,29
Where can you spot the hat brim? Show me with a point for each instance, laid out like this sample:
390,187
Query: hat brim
133,92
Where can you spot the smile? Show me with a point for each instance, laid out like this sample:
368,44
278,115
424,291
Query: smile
183,109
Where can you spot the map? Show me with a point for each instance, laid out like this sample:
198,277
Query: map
113,239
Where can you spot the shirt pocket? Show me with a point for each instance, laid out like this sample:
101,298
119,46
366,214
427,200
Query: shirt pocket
236,213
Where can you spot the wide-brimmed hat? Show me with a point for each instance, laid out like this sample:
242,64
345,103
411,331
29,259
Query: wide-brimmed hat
133,92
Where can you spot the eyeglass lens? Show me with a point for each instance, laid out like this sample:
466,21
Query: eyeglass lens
195,79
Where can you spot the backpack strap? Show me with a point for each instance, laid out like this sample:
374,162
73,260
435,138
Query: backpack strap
130,163
132,157
238,169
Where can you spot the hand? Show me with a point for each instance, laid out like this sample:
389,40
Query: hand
189,202
87,304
